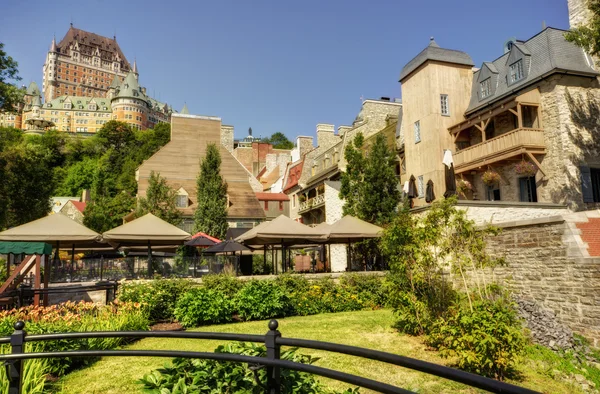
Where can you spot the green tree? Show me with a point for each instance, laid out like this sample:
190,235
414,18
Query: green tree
26,186
211,210
369,185
11,96
78,177
279,141
105,213
160,200
588,36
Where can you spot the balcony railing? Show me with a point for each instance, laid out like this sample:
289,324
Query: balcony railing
311,203
500,148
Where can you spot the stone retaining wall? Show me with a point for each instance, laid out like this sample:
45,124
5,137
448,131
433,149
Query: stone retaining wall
541,269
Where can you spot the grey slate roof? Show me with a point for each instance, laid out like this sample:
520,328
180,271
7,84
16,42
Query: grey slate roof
544,53
434,52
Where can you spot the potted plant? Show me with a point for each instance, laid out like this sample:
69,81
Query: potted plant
490,177
525,168
301,197
463,187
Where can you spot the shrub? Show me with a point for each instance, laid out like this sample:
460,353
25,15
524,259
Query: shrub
158,296
262,299
75,317
412,315
325,297
226,284
203,306
260,266
487,340
369,289
210,376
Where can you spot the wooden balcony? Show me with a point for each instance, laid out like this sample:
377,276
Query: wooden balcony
516,142
311,203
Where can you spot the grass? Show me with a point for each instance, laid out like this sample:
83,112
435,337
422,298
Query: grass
369,329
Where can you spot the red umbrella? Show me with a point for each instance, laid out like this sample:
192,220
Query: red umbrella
203,240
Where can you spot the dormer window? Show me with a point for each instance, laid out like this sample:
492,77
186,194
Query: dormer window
516,71
486,88
67,105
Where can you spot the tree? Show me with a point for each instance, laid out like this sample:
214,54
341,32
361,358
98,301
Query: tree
105,213
11,96
77,178
279,141
26,186
588,36
369,185
211,210
160,200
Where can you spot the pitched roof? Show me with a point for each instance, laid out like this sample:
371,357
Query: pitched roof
115,82
79,205
145,230
79,102
185,110
293,175
434,52
544,53
272,197
267,180
130,88
88,42
33,89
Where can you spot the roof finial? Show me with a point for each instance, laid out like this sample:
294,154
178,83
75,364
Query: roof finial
431,38
544,25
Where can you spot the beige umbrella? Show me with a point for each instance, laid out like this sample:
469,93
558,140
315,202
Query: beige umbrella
147,230
281,231
350,229
57,230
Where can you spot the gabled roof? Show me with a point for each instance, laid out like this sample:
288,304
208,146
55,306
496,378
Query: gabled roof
89,42
78,101
79,205
293,175
542,54
434,52
267,180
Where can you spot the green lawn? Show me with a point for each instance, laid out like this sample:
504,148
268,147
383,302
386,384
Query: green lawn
369,329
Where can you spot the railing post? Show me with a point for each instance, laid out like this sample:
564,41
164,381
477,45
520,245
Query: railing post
273,353
14,368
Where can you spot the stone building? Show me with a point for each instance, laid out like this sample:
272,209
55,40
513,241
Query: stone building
83,64
519,116
274,204
179,162
87,81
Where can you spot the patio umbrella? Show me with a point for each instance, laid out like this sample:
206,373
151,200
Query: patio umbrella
351,229
282,231
449,174
202,240
429,195
227,246
412,187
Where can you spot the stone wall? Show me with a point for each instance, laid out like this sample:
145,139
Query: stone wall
72,212
326,135
333,213
227,137
540,269
578,12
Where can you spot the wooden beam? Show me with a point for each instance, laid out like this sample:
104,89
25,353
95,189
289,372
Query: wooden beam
537,163
520,115
37,279
513,112
489,114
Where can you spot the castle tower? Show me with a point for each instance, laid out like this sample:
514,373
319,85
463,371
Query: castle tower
130,103
49,72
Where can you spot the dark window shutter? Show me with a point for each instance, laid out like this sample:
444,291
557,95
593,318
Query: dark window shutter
586,184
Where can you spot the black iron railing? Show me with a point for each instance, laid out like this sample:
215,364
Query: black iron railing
273,342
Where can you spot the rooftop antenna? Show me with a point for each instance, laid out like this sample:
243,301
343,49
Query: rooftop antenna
71,20
544,25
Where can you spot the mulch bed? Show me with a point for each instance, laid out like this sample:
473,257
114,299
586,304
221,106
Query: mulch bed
167,327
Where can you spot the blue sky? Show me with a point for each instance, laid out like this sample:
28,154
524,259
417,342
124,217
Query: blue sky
274,65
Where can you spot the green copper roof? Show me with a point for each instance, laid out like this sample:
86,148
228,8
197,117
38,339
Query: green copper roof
36,101
185,110
79,103
131,88
115,82
33,89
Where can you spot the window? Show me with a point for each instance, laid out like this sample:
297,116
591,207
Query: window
182,201
590,184
516,71
444,105
417,131
67,105
266,205
486,88
281,205
421,187
527,192
493,193
294,201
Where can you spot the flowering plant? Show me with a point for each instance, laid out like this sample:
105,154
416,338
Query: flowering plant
490,177
463,186
525,168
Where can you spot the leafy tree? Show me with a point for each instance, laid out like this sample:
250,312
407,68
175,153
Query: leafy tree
11,96
9,136
26,186
105,213
78,177
588,36
279,141
211,210
369,185
160,200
